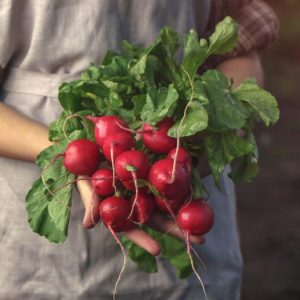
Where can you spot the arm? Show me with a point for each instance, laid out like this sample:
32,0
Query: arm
21,137
242,67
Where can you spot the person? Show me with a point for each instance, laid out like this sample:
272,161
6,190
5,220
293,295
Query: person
44,43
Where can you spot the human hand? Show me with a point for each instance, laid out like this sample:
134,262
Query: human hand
157,221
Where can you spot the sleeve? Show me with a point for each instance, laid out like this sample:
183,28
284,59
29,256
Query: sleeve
258,25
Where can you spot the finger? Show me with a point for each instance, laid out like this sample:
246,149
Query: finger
144,240
166,225
90,201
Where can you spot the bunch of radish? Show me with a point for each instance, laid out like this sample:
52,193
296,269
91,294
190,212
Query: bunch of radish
121,176
127,169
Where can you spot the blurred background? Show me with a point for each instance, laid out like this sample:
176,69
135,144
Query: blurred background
268,209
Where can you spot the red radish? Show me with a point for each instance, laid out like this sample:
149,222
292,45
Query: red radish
143,207
132,161
82,157
197,217
157,140
160,176
174,204
132,165
183,157
114,212
102,182
117,143
105,126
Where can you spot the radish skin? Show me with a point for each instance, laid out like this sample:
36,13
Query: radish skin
81,157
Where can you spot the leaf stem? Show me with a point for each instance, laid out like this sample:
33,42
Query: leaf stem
65,123
178,131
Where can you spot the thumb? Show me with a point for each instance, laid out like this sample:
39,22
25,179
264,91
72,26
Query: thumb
90,201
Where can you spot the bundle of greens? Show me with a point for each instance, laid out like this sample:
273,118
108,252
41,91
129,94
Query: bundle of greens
147,85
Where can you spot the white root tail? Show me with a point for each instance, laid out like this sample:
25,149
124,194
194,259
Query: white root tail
124,260
193,265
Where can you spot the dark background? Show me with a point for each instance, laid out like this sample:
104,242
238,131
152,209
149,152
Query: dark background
269,208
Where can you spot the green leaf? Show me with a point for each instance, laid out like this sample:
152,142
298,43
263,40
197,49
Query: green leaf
115,66
222,148
247,168
224,37
170,41
91,73
261,101
139,102
159,104
57,128
199,92
195,121
173,250
38,216
142,258
115,100
246,171
195,52
138,67
72,95
225,112
198,188
48,202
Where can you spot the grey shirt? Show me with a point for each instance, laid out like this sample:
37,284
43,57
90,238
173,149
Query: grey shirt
45,42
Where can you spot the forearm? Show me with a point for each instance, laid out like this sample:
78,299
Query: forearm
20,137
240,68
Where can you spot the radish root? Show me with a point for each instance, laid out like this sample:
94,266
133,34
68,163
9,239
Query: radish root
46,167
170,211
113,168
178,132
124,260
67,119
136,193
193,266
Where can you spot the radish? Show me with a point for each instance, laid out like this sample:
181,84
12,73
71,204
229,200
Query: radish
117,143
114,212
183,157
130,162
105,126
143,208
196,217
157,139
173,203
102,182
81,157
132,165
160,176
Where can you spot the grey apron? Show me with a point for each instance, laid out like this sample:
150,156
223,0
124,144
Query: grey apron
51,41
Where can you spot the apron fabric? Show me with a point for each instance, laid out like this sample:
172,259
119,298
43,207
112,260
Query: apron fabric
44,47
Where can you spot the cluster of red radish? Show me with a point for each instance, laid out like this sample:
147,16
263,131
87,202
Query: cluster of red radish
126,167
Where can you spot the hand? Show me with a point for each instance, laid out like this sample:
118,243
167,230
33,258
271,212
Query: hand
158,221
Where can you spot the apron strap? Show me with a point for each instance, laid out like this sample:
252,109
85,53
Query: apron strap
35,83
